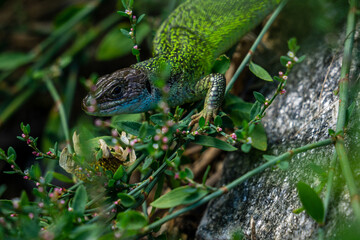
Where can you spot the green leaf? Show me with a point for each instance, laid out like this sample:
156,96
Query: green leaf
179,196
201,122
11,151
24,199
189,173
12,60
48,177
124,3
35,171
317,169
292,44
258,138
311,202
259,97
131,2
158,119
135,51
301,59
132,127
260,72
283,165
140,18
284,60
349,112
131,220
127,117
148,161
269,157
276,78
115,44
246,147
119,173
2,189
121,13
62,177
99,155
206,174
126,200
221,64
80,200
213,142
218,121
143,130
125,32
255,110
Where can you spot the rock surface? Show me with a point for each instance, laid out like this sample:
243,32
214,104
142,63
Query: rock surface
303,115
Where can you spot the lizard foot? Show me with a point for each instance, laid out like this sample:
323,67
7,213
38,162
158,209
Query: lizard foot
207,114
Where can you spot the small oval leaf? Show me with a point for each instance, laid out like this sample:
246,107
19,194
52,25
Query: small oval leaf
311,202
260,72
179,196
213,142
126,200
80,200
258,138
131,220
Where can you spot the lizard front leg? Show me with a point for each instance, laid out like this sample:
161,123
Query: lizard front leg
215,84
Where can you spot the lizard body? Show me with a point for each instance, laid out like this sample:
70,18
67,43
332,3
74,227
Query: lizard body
189,41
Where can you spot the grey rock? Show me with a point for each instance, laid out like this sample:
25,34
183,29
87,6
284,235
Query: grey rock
303,115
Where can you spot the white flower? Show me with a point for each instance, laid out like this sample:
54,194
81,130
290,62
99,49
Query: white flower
291,54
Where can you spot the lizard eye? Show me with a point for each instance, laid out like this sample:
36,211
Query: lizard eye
116,92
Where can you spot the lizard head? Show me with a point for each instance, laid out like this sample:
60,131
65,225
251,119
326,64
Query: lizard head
127,90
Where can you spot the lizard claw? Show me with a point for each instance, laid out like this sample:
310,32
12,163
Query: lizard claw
209,115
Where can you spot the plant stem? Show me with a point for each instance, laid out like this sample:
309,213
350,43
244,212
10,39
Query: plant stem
282,157
254,46
62,113
343,105
329,185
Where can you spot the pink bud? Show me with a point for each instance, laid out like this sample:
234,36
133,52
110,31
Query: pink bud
136,47
233,136
23,135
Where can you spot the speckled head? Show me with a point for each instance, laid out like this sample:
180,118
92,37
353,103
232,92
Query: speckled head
127,90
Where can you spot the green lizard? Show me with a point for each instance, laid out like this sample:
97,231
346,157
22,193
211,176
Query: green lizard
189,41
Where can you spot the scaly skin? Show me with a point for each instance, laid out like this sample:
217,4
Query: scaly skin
188,43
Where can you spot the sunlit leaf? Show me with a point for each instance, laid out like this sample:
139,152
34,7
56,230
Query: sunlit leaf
260,72
213,142
179,196
131,220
